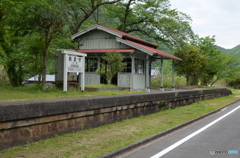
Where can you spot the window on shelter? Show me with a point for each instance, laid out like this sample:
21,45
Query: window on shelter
91,64
139,66
128,67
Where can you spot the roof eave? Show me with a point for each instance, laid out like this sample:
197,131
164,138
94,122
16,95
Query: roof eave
134,46
99,27
145,50
175,58
83,32
94,27
105,50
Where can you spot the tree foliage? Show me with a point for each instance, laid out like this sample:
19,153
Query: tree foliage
153,20
192,65
10,43
112,63
77,12
204,63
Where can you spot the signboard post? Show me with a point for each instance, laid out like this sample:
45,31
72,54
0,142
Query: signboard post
73,62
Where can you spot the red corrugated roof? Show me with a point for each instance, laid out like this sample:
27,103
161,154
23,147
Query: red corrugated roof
128,35
155,51
105,50
128,39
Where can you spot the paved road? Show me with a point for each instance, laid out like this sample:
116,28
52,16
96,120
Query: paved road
218,133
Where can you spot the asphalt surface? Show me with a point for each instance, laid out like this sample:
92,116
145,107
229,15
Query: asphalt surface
215,136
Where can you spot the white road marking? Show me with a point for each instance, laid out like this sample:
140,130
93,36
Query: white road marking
163,152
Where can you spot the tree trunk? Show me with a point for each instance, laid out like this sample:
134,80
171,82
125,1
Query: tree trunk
20,74
187,79
109,81
11,71
48,39
44,68
214,81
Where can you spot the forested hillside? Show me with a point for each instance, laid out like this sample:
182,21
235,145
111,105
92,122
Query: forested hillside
233,50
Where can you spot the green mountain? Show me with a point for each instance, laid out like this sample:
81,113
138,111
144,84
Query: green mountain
233,50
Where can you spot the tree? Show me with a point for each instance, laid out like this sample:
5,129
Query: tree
44,20
218,64
11,56
153,20
77,12
21,19
112,64
203,62
208,48
228,67
49,23
192,65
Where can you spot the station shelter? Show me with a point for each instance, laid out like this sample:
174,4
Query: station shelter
96,40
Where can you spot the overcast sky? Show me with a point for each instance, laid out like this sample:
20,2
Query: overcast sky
213,17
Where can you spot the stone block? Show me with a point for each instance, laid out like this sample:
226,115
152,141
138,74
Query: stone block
6,125
124,107
24,133
61,125
43,128
91,112
71,123
131,106
101,117
48,86
77,114
82,121
140,104
119,108
62,117
114,108
35,130
6,136
105,110
51,127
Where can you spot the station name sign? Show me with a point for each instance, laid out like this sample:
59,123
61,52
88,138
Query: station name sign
74,63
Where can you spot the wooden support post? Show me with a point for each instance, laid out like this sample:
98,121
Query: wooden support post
147,74
161,82
173,76
132,72
150,73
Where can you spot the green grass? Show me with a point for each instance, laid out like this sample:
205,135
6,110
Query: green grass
98,141
10,94
168,81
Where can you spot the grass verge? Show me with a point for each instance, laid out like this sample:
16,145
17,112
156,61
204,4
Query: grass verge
98,141
10,94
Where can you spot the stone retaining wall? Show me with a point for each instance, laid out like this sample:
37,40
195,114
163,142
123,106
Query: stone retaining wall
185,87
30,121
93,89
